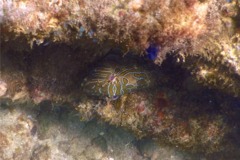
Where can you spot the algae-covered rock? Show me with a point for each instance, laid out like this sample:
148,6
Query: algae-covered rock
154,115
206,31
22,137
48,48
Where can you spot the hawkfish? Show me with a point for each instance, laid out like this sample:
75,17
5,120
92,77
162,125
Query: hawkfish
113,80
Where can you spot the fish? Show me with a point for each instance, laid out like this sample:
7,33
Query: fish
113,80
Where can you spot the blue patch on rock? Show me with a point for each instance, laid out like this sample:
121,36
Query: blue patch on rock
152,52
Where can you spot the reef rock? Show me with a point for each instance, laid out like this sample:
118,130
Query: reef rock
206,32
48,48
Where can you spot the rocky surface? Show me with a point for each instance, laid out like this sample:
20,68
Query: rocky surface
39,133
28,133
206,32
48,48
184,121
179,112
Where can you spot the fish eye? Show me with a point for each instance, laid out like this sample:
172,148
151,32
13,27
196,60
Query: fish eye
115,97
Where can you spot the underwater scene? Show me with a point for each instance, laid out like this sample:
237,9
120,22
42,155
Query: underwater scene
120,80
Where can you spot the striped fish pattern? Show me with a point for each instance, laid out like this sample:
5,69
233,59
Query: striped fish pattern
116,80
